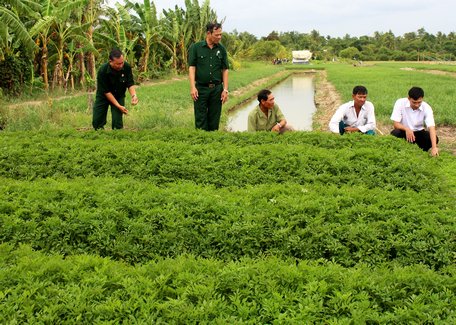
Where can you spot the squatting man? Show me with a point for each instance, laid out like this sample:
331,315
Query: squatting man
357,115
267,116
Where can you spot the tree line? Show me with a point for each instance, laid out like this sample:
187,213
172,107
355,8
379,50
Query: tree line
54,44
412,46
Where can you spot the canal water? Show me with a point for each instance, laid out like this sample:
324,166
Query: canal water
295,97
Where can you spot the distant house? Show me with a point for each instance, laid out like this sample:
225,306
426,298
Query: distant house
301,57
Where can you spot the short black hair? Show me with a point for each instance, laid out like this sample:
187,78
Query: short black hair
263,94
359,90
213,25
115,54
416,92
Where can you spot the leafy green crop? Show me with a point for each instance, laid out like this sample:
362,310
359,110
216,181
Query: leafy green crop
86,289
185,226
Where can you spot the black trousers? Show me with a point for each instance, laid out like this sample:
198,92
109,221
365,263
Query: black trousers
100,112
208,107
422,138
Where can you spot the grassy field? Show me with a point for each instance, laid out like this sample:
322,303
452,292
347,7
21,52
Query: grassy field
386,82
161,223
162,105
167,104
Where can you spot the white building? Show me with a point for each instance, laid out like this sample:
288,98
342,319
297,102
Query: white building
300,57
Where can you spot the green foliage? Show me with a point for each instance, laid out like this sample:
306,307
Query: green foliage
15,72
350,53
268,50
88,289
183,226
141,196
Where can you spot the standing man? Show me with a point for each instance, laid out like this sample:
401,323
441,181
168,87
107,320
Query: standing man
208,74
410,115
113,79
267,116
357,115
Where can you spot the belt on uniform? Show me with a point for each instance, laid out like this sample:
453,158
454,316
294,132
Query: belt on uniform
209,84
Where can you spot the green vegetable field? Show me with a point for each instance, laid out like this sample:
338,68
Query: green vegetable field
178,226
184,226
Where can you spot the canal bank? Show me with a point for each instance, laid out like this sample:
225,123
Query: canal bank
295,97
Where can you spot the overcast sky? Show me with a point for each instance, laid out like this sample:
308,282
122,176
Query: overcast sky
331,17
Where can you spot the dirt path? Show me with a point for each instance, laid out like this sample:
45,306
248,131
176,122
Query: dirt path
436,72
327,99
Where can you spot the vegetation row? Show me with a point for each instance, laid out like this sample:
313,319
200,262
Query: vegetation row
136,196
135,221
37,288
223,159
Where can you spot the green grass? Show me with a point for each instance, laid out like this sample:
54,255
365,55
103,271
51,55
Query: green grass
162,106
168,105
439,66
386,82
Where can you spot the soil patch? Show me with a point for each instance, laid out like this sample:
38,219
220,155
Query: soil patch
436,72
327,100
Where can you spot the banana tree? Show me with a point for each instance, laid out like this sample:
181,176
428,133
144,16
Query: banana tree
12,30
113,33
198,17
64,31
89,19
171,29
148,24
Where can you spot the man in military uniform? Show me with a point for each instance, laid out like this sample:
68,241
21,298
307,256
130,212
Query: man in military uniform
208,74
113,79
267,116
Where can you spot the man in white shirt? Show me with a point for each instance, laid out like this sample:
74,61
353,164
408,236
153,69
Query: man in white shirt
355,116
410,115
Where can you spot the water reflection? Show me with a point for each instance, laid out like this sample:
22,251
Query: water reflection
295,97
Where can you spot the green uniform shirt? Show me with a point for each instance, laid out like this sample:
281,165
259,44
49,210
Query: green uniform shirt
115,82
209,62
258,121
